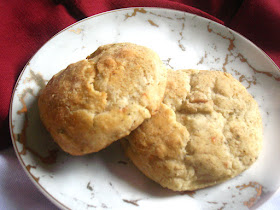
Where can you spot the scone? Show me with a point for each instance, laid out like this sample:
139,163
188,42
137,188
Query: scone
96,101
208,130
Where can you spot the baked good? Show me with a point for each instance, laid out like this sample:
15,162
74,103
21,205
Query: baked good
208,130
101,99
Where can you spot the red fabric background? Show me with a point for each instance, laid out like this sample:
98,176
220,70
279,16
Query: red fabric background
26,25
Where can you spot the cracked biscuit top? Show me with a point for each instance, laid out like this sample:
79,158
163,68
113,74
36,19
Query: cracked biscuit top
208,129
101,99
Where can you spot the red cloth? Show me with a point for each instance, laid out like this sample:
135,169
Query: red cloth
26,25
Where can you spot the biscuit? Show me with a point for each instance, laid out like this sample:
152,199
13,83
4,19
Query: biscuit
96,101
208,130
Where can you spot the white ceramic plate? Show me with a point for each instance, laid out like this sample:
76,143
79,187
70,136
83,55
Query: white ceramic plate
107,179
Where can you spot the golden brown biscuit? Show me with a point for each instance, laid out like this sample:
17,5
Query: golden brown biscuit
208,130
96,101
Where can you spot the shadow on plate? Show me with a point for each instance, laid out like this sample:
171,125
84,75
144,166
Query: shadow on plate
122,167
36,140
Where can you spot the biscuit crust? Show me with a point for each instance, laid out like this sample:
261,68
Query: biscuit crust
208,130
96,101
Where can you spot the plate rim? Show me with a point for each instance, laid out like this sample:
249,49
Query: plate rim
49,196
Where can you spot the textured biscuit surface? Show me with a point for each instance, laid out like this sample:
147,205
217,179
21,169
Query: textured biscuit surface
101,99
208,130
